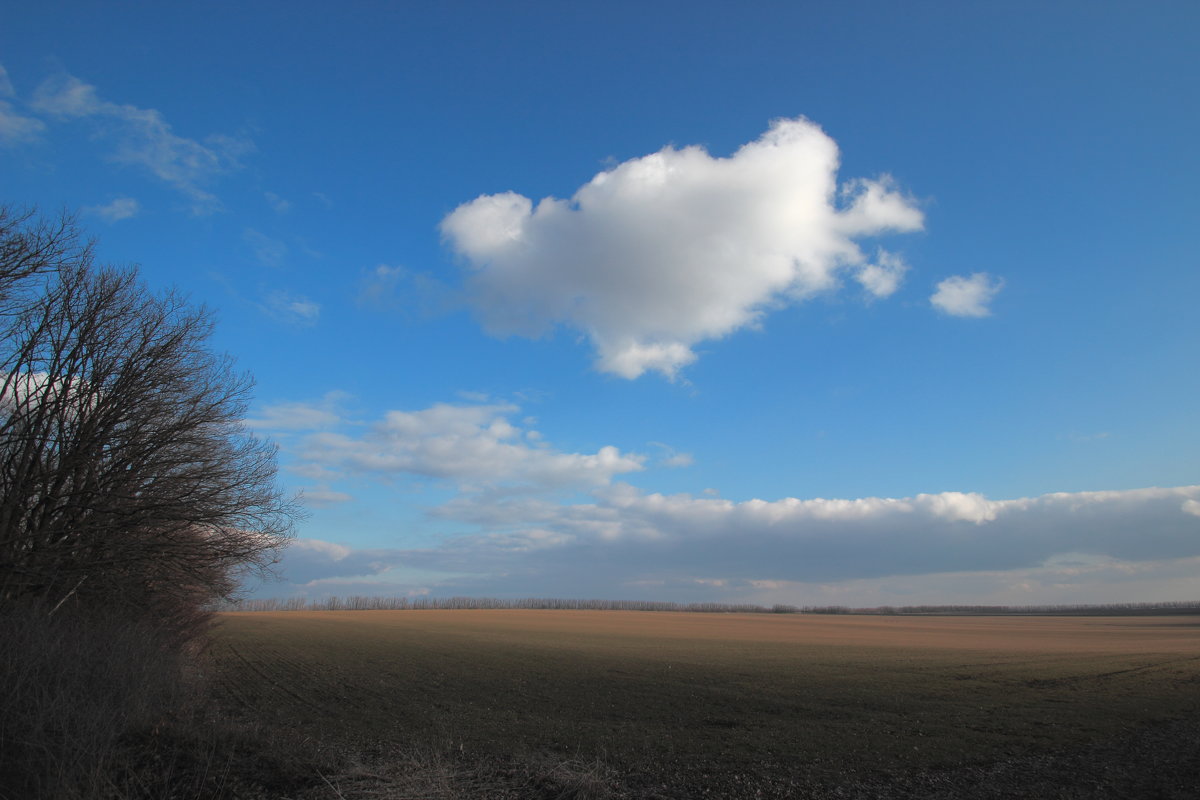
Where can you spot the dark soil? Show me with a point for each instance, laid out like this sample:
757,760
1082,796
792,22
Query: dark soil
1160,761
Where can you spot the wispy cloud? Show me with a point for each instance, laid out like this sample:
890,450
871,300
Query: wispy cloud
115,211
267,251
1075,436
277,203
6,86
292,309
963,296
322,496
278,417
143,138
662,252
670,457
477,447
406,291
15,128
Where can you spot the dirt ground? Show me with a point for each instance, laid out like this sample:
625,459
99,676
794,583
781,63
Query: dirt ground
741,705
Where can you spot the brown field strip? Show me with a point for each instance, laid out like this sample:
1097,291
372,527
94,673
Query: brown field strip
677,691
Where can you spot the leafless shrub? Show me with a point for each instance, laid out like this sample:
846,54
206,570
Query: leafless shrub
131,496
126,476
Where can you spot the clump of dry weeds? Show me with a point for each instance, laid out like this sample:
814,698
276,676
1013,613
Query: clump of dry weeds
447,773
96,704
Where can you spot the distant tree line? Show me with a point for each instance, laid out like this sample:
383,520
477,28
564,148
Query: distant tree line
369,603
1065,609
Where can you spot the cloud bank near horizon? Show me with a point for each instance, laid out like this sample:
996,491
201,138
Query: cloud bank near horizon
1071,578
1083,547
520,517
663,252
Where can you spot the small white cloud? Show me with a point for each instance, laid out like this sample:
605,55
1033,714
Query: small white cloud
1192,507
117,210
330,550
874,206
663,252
961,296
292,309
882,278
629,358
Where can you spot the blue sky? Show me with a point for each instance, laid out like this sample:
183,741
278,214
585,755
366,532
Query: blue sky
827,302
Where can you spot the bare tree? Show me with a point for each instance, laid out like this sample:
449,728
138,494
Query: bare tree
125,471
30,247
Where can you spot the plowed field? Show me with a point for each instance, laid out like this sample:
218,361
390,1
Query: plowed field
717,697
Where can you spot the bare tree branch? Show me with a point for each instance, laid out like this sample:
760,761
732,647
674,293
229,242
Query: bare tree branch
122,453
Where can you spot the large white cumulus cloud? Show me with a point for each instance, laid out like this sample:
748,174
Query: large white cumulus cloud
671,249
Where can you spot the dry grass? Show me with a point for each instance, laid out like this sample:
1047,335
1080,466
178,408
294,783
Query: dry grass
72,686
422,772
95,705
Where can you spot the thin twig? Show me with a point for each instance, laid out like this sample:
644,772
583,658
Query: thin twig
331,786
67,596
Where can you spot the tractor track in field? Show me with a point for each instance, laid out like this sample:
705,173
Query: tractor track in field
272,681
1069,680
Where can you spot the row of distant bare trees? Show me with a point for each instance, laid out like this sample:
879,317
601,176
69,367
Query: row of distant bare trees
1052,609
372,603
383,603
126,477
